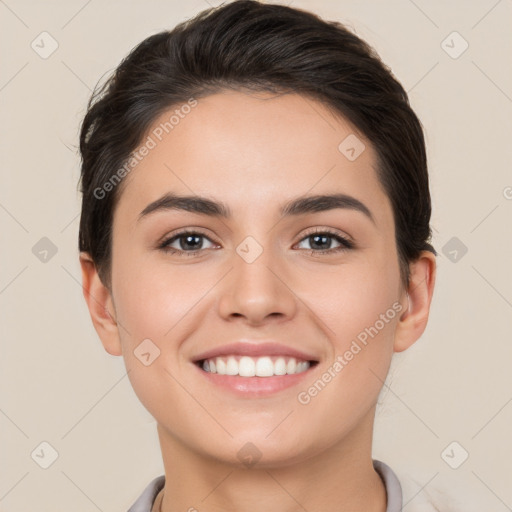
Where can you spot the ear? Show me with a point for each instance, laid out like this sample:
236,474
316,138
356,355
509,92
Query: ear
101,307
413,321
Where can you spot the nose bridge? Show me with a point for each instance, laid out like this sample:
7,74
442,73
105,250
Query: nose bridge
255,288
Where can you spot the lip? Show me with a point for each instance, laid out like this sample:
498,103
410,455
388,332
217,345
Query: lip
255,349
254,387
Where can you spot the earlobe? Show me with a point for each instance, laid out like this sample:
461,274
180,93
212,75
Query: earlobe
101,307
418,296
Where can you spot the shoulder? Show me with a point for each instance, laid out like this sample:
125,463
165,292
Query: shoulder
145,501
441,491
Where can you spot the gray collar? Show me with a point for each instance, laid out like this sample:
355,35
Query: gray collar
393,490
393,487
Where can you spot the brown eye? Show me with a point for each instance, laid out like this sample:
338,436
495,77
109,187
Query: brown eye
322,242
186,242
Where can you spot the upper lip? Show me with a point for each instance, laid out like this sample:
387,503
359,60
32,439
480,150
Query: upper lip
254,349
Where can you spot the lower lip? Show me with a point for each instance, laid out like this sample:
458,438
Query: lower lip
255,386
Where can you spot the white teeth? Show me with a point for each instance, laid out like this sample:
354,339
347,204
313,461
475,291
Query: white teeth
280,366
231,366
246,366
221,366
264,367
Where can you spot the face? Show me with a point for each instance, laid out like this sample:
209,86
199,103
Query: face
260,275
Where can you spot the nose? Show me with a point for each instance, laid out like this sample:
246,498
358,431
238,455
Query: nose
257,291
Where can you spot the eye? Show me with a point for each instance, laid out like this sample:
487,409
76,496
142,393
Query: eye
321,240
185,243
189,243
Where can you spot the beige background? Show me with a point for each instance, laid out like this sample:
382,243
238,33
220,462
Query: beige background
58,385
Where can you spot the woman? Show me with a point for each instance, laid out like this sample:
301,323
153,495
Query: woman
255,243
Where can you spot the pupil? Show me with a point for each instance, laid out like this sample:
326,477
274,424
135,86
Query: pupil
322,237
188,238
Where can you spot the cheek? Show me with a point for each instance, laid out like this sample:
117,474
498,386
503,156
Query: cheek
155,302
354,298
361,314
152,298
361,309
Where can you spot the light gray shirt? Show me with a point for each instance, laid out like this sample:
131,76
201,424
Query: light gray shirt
393,490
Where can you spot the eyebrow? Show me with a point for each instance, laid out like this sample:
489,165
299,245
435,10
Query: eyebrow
298,206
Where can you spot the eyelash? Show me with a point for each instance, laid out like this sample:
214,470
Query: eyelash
345,243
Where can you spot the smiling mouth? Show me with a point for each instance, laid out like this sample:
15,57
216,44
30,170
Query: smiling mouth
246,366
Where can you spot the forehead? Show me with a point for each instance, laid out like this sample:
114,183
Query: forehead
250,150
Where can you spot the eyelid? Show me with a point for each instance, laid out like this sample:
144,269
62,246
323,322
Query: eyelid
183,231
329,231
346,241
199,231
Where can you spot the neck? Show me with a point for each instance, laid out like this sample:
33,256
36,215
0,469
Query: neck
339,479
